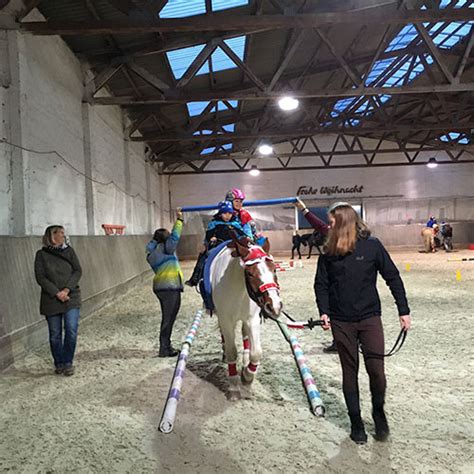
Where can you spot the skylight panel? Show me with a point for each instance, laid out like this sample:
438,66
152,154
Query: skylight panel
215,149
181,59
186,8
221,106
452,34
455,137
209,150
363,106
459,4
183,8
222,62
197,108
442,33
341,105
378,69
353,122
230,128
226,4
406,35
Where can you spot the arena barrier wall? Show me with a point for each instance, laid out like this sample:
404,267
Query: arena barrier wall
111,266
395,236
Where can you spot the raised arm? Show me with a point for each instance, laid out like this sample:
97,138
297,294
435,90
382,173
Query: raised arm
314,221
172,241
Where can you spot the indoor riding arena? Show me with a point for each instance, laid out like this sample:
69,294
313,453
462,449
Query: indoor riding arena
236,236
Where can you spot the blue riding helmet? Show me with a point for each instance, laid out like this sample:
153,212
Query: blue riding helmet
226,206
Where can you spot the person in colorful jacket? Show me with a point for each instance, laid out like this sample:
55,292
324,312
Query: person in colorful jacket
168,280
220,229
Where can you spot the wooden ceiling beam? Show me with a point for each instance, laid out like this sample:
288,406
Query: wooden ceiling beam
299,132
182,97
241,22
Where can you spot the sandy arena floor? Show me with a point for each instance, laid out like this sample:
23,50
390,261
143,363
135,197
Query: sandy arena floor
104,419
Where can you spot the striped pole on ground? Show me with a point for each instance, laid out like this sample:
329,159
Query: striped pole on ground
312,392
169,413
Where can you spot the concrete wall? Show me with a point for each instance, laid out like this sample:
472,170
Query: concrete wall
110,266
66,163
69,163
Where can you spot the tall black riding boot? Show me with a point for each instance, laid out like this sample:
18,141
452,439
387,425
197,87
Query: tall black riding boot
382,430
198,270
358,434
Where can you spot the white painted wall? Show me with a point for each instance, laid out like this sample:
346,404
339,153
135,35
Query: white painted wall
51,95
5,165
390,194
49,118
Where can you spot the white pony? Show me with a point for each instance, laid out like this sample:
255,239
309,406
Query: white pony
244,282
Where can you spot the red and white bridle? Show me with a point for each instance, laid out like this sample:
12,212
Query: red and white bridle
268,286
255,256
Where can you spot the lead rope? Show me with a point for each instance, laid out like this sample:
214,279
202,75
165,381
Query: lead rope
396,347
311,323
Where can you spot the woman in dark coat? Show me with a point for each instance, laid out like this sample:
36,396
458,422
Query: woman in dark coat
58,271
349,304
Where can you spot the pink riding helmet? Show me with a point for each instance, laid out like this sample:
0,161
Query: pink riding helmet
235,194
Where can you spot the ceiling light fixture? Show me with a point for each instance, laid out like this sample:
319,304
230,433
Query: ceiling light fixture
265,149
288,103
432,163
254,171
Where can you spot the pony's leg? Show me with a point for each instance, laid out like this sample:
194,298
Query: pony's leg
246,342
223,347
230,349
248,373
310,251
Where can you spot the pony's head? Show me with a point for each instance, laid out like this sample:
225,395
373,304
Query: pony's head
260,275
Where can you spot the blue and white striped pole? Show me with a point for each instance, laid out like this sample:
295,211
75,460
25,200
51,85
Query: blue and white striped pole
259,203
169,413
314,397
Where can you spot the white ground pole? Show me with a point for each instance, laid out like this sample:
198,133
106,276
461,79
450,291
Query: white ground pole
169,413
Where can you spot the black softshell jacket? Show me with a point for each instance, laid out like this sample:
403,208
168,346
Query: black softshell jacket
345,286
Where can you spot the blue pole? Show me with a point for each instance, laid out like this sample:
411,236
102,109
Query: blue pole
264,202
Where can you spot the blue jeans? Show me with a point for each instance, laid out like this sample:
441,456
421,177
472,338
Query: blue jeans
63,349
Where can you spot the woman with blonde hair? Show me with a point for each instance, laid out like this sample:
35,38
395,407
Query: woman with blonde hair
349,304
58,271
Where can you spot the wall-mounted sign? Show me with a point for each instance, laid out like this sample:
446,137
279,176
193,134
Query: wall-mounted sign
329,190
